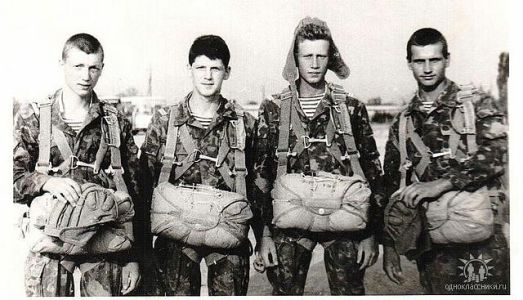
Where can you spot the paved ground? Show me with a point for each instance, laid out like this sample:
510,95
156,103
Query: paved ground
376,282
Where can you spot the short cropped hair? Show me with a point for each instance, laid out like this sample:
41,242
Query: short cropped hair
313,32
212,46
85,42
424,37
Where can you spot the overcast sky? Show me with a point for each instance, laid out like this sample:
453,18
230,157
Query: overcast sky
138,35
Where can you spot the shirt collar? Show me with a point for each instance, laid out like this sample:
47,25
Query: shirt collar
225,110
94,112
446,98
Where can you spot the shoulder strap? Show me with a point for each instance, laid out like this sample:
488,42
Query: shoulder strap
283,151
113,136
341,121
405,164
64,148
406,131
240,168
464,120
169,154
44,137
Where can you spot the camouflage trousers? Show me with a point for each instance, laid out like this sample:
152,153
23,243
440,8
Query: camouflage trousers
173,273
46,276
294,256
479,268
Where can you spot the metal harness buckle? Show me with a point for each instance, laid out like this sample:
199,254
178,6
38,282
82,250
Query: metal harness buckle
307,141
198,156
348,154
444,151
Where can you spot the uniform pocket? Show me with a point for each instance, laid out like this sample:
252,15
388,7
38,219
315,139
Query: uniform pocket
34,268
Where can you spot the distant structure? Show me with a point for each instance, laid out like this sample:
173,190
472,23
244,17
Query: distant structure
502,80
150,82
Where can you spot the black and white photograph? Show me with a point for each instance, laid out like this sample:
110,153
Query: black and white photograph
259,148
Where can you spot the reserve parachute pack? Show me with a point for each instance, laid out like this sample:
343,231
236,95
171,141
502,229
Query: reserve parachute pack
101,221
322,202
201,215
456,216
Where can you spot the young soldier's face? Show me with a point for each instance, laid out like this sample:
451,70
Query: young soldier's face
82,70
428,65
208,75
313,58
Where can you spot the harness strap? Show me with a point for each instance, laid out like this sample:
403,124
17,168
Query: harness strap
191,149
111,118
170,148
220,160
301,133
100,154
341,120
283,141
44,138
407,130
63,147
334,149
224,148
420,147
463,123
194,155
239,154
404,163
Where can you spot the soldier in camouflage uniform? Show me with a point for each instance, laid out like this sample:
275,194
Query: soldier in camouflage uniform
176,265
50,274
431,110
286,254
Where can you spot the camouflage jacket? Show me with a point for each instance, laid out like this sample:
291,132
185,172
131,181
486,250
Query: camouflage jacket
207,141
486,165
28,183
317,158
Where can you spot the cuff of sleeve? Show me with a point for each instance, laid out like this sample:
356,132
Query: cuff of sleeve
387,240
39,181
458,180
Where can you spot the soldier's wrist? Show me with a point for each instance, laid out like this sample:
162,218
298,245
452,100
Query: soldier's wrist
266,232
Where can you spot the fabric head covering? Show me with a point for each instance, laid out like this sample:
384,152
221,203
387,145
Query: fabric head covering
407,227
336,63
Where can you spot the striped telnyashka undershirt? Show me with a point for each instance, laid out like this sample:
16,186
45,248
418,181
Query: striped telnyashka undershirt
309,104
427,105
75,124
204,121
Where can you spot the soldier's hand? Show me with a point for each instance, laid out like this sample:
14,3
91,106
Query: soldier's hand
367,252
130,277
258,263
64,189
392,265
268,252
414,193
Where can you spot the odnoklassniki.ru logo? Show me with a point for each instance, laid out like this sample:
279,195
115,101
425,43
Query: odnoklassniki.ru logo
475,269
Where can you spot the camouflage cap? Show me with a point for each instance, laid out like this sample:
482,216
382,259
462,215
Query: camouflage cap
336,63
